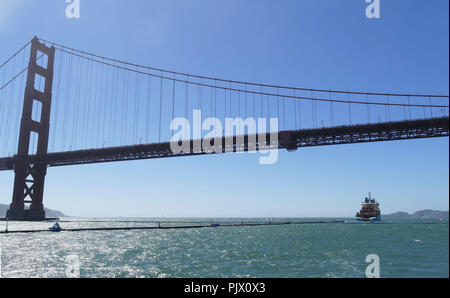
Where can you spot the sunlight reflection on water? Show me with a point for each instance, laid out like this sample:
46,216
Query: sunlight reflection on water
314,250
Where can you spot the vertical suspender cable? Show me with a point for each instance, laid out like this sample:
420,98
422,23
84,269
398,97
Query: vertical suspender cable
278,105
200,102
77,106
173,100
211,102
389,109
136,104
284,114
246,104
85,109
9,111
431,109
409,107
66,103
349,110
295,111
239,104
261,103
99,139
230,102
160,107
312,110
124,108
18,116
225,105
111,106
254,115
57,99
114,115
215,100
331,109
90,106
147,121
94,106
2,109
186,105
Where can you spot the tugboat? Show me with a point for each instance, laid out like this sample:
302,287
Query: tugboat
370,210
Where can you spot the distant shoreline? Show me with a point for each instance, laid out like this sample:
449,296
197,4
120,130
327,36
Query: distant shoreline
427,213
48,212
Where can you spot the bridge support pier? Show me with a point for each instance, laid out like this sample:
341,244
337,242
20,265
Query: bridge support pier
30,177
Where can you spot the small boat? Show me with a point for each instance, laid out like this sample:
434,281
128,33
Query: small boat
55,228
214,225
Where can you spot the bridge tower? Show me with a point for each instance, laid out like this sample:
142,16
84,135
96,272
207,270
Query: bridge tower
29,177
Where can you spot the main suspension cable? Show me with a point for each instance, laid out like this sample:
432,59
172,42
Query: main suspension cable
201,84
61,47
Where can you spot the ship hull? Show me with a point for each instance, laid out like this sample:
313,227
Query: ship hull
378,218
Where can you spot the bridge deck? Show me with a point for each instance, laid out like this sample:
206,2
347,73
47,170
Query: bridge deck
291,140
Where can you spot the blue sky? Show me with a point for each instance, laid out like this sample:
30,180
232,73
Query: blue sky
314,43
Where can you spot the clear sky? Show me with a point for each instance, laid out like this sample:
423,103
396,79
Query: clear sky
314,43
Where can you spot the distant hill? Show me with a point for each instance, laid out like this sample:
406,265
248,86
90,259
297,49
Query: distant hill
48,212
418,214
399,214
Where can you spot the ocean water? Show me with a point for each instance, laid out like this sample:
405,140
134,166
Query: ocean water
406,248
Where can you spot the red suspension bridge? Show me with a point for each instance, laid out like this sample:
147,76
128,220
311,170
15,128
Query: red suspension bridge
102,110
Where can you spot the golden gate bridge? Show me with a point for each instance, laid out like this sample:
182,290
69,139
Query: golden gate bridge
82,108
